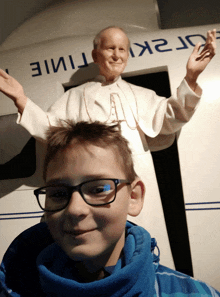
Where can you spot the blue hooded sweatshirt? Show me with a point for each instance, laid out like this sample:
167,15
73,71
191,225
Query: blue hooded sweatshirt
36,266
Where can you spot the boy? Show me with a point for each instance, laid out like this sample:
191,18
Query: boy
87,247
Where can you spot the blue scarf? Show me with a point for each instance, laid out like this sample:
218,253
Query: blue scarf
133,275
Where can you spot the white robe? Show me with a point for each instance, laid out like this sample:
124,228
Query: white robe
148,120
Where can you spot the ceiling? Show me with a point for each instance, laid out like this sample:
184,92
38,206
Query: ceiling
172,13
186,13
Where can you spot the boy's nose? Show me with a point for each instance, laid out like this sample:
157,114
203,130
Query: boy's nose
77,206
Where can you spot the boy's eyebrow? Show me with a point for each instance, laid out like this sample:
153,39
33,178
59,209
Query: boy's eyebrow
58,181
69,182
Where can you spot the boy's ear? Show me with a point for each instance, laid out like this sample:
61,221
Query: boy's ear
94,55
136,197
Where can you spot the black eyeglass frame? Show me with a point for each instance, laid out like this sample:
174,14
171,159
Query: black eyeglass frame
72,189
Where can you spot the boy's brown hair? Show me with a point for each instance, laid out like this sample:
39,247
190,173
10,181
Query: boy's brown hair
96,133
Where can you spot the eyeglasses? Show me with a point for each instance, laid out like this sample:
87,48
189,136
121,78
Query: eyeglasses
95,192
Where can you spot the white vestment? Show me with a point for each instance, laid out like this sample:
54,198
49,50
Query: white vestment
147,120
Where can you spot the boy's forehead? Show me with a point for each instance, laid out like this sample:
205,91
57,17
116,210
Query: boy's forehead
93,150
83,160
76,147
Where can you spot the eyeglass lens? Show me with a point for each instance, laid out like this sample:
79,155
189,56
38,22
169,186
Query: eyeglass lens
96,192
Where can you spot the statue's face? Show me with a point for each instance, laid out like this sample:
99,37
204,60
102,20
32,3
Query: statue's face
112,53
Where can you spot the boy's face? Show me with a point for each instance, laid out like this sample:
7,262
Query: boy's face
86,232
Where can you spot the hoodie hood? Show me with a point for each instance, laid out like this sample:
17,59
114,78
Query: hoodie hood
131,274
